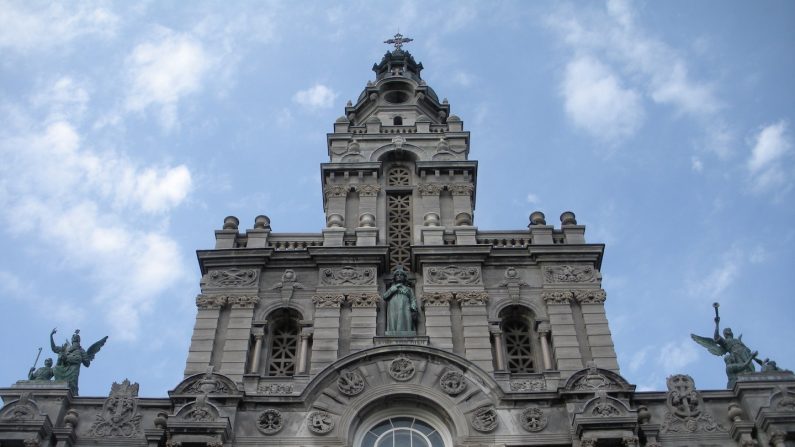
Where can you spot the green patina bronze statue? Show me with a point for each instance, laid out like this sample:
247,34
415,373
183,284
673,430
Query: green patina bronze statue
738,357
43,373
401,308
71,356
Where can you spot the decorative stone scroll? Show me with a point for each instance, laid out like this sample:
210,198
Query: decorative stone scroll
473,298
243,302
686,411
350,383
557,296
570,273
437,299
590,296
453,275
528,385
328,301
348,275
484,419
205,302
275,389
402,368
364,299
533,419
453,382
270,421
231,278
119,417
320,422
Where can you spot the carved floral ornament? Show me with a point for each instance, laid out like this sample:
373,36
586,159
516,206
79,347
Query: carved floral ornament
452,382
328,300
205,301
533,419
453,275
348,275
485,419
570,273
402,368
275,389
434,299
320,422
231,278
528,385
350,383
473,298
583,296
270,421
119,417
456,189
364,190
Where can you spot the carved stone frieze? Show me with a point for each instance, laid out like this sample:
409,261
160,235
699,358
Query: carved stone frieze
119,417
570,274
533,419
453,275
320,422
590,296
473,298
364,299
350,383
275,389
205,302
528,385
336,190
452,382
328,300
270,421
485,419
686,411
402,368
244,302
23,409
430,189
231,278
461,189
368,190
434,299
348,275
557,296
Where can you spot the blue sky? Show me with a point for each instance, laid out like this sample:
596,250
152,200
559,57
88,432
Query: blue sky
129,130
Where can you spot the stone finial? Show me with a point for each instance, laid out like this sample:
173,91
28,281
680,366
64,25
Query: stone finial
568,218
231,223
537,218
463,219
71,419
262,222
367,220
431,220
644,415
335,221
349,103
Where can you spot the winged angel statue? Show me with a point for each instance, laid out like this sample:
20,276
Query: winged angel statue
71,356
739,359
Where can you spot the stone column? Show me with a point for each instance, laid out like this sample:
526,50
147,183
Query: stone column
438,325
477,346
499,349
335,200
303,350
327,330
259,333
543,332
201,343
566,347
596,328
238,335
364,307
462,198
429,194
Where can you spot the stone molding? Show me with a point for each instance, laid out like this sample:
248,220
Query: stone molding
348,275
570,274
453,275
437,299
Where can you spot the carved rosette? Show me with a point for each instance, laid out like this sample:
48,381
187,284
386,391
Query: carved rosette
461,189
270,421
328,301
350,383
484,419
533,419
434,299
557,296
453,275
348,275
590,296
528,385
430,189
243,302
402,368
472,298
231,278
336,191
119,417
205,302
570,274
368,190
320,422
452,382
364,299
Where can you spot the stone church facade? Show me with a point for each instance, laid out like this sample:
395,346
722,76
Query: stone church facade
510,346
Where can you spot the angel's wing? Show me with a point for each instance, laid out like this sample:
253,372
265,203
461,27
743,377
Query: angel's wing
93,349
712,346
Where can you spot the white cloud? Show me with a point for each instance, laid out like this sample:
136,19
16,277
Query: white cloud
758,255
675,355
32,26
770,146
696,164
532,198
78,202
596,101
316,97
164,70
712,284
638,359
463,78
65,98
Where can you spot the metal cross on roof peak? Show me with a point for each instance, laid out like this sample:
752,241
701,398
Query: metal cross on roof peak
398,41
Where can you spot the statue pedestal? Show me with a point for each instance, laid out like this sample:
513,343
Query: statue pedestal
416,340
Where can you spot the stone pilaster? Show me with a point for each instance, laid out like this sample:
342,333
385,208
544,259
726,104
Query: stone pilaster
475,324
429,196
327,330
204,331
596,328
566,346
238,336
438,325
462,198
363,319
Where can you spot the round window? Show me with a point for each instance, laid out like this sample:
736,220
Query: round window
402,432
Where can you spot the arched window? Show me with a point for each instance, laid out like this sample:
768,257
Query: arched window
402,431
519,339
282,343
397,121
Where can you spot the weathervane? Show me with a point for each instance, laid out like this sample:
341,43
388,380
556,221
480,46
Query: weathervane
398,41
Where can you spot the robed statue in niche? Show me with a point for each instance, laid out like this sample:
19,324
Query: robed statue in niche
401,308
71,356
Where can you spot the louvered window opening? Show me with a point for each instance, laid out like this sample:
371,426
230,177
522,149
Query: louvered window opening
399,230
